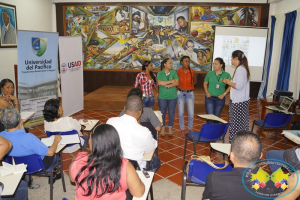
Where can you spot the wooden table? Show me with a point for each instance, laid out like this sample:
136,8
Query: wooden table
266,102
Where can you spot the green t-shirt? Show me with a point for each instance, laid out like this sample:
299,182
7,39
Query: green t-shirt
164,92
213,80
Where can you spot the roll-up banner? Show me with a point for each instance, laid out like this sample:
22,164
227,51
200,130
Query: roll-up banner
71,73
37,72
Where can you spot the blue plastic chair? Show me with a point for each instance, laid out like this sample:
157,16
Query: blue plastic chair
208,133
35,166
273,121
198,172
85,138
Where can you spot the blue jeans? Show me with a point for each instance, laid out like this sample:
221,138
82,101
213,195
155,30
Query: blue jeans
275,154
170,105
189,98
148,101
214,106
21,193
155,163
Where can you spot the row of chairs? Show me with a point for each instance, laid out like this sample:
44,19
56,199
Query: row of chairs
217,132
208,133
35,165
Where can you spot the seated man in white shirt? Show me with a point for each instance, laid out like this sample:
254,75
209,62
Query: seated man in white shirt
135,139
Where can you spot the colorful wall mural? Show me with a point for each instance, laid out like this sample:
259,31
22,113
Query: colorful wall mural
123,37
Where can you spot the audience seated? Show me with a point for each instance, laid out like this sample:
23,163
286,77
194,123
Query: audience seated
54,122
7,97
246,148
25,144
22,192
103,173
135,139
147,115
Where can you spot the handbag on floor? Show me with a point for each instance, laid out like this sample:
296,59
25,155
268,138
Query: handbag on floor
207,160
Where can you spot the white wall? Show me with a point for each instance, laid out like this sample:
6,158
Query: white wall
284,6
34,15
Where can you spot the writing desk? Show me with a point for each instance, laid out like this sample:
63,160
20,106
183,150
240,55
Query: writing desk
148,156
147,182
212,117
60,147
10,183
89,125
221,147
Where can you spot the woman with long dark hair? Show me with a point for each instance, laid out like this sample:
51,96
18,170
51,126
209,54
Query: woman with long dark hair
239,94
7,97
103,173
167,80
147,80
185,93
215,89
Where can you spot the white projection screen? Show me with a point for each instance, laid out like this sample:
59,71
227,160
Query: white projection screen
252,41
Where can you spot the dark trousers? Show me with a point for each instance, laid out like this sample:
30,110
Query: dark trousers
48,160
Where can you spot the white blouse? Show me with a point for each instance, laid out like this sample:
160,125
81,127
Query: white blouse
65,124
242,87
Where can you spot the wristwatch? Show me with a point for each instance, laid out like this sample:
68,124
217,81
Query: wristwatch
224,93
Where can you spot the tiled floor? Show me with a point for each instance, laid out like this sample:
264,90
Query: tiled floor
171,148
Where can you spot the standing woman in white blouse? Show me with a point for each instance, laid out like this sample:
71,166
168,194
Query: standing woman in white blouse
239,94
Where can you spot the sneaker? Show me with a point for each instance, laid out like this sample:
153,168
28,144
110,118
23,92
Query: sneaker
162,132
170,132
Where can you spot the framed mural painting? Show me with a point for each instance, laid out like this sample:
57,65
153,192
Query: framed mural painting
8,22
123,37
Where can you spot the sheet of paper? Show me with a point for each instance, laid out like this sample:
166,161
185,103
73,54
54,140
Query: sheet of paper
12,168
212,117
65,139
158,115
26,115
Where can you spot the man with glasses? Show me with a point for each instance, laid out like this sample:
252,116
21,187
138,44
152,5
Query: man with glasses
190,51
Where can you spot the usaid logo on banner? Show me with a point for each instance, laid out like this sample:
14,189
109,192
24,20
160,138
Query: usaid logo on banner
39,46
70,66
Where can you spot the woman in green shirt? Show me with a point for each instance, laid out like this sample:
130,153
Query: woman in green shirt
167,80
215,92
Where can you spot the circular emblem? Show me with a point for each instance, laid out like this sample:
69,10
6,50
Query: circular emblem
261,182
